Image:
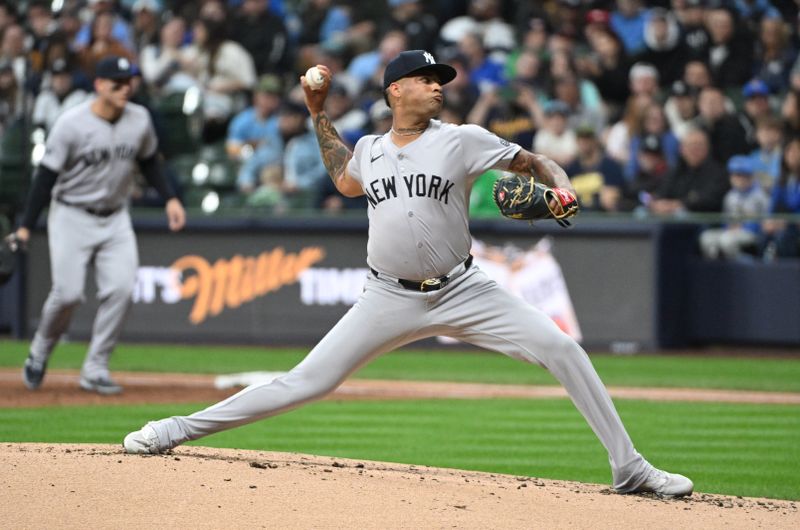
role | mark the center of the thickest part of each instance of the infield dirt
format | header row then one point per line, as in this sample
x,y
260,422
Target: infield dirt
x,y
97,486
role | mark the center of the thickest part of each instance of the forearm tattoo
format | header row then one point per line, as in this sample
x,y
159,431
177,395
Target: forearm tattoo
x,y
335,154
541,168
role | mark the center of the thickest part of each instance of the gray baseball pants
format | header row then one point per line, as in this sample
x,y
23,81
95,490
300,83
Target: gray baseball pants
x,y
472,308
78,239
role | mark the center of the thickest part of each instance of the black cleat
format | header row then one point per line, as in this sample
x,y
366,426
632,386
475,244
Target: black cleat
x,y
102,385
33,372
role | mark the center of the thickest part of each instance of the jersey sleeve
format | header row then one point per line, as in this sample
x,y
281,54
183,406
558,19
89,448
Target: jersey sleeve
x,y
483,150
58,145
149,141
353,168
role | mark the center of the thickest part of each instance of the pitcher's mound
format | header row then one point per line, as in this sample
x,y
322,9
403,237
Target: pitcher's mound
x,y
90,486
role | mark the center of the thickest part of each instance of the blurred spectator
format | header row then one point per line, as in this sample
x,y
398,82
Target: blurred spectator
x,y
774,56
263,35
627,21
597,179
161,63
596,24
651,174
14,101
742,205
60,95
730,55
582,97
654,122
535,37
40,25
304,173
223,69
368,67
781,238
754,11
350,121
663,46
681,108
697,184
512,112
215,11
484,18
410,18
12,50
566,15
146,25
334,24
380,117
725,131
8,15
120,30
644,80
691,17
484,72
755,103
607,66
554,139
766,159
253,135
618,136
790,113
102,44
697,75
70,22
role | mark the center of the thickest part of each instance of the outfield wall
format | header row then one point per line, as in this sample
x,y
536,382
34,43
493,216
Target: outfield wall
x,y
633,285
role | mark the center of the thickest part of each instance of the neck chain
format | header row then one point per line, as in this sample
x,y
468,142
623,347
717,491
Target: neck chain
x,y
409,132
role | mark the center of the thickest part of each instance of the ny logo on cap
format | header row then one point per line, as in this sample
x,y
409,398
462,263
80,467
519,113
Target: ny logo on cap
x,y
428,58
123,64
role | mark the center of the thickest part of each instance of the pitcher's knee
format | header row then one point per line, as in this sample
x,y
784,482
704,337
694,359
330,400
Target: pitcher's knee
x,y
309,387
65,296
116,292
563,351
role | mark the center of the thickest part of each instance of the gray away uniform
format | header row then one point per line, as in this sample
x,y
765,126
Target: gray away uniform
x,y
88,223
418,202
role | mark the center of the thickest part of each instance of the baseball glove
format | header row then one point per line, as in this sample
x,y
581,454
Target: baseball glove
x,y
522,198
8,261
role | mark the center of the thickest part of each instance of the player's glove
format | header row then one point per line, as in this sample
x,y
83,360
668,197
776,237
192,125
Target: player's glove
x,y
522,198
8,261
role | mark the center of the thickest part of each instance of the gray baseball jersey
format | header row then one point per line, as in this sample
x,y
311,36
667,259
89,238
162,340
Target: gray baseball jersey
x,y
88,222
418,204
419,195
96,159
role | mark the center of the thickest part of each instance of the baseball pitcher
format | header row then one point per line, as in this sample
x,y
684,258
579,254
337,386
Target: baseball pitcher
x,y
423,283
86,174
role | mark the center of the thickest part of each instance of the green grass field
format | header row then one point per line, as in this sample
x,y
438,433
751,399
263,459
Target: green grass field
x,y
749,450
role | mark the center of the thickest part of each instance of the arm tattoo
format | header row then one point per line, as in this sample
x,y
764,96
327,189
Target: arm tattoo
x,y
335,155
541,168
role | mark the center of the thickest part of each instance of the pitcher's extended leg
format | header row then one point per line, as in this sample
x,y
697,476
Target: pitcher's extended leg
x,y
494,319
379,322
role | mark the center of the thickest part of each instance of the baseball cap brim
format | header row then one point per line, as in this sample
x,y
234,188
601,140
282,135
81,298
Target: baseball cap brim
x,y
444,72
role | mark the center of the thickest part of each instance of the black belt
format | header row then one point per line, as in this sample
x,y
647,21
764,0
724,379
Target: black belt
x,y
431,284
99,212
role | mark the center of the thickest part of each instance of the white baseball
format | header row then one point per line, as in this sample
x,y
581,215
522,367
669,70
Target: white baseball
x,y
314,78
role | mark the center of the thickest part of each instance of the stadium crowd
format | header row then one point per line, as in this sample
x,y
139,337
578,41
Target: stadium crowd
x,y
662,108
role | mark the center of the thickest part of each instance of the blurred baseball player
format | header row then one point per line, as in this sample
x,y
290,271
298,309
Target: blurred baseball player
x,y
417,179
87,170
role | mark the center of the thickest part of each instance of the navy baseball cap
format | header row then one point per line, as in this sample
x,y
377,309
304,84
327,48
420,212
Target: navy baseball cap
x,y
651,143
741,165
412,61
114,68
